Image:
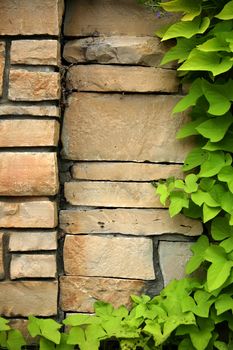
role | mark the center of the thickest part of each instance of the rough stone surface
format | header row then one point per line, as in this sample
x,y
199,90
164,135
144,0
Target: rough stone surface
x,y
114,257
111,194
123,127
110,17
28,133
28,213
1,257
28,174
173,257
144,222
80,293
37,266
124,171
47,111
35,52
45,17
33,86
32,241
2,64
132,50
28,298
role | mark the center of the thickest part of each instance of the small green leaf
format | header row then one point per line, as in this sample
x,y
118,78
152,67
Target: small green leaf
x,y
198,249
4,324
163,192
49,330
15,340
178,201
224,303
191,98
227,12
191,183
210,212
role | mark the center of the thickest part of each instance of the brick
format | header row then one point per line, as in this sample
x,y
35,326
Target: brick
x,y
123,127
2,274
20,110
112,194
36,266
28,213
26,298
80,293
35,52
173,257
108,17
32,241
26,85
138,222
28,174
81,257
28,133
2,65
124,171
45,17
131,50
127,79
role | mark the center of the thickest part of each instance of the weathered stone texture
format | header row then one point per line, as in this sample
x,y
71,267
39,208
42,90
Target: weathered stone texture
x,y
109,257
1,257
33,86
28,213
122,127
173,257
112,194
40,266
132,50
124,171
28,174
2,64
28,298
35,52
110,17
128,79
47,111
32,241
28,133
26,17
80,293
144,222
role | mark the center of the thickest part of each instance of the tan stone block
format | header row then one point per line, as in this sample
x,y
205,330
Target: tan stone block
x,y
28,298
26,85
2,64
112,194
45,17
32,241
36,266
127,79
123,127
125,171
35,52
1,257
111,17
80,293
28,174
173,257
28,133
28,213
138,222
106,257
34,110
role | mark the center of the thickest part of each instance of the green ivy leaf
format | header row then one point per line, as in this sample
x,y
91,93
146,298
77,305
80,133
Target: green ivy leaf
x,y
190,8
46,344
180,52
226,175
199,248
212,165
220,228
219,103
206,184
195,158
191,98
189,129
224,303
15,340
225,145
214,44
4,324
210,212
78,319
215,128
227,12
191,183
49,330
178,201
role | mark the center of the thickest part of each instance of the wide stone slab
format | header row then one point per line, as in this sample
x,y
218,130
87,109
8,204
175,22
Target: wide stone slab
x,y
123,127
34,110
139,222
105,257
78,294
28,174
28,213
121,79
26,298
2,64
32,241
28,133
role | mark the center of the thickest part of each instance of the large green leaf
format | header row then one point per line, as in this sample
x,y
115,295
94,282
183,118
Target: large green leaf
x,y
190,8
212,166
219,102
220,228
191,98
214,44
227,12
224,303
195,158
15,340
180,52
215,128
198,249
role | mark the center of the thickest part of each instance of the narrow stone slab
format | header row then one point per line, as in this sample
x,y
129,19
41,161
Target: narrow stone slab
x,y
123,127
35,52
112,194
2,64
83,258
28,133
121,171
26,298
28,213
32,241
121,79
2,274
34,110
80,293
28,174
25,85
139,222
